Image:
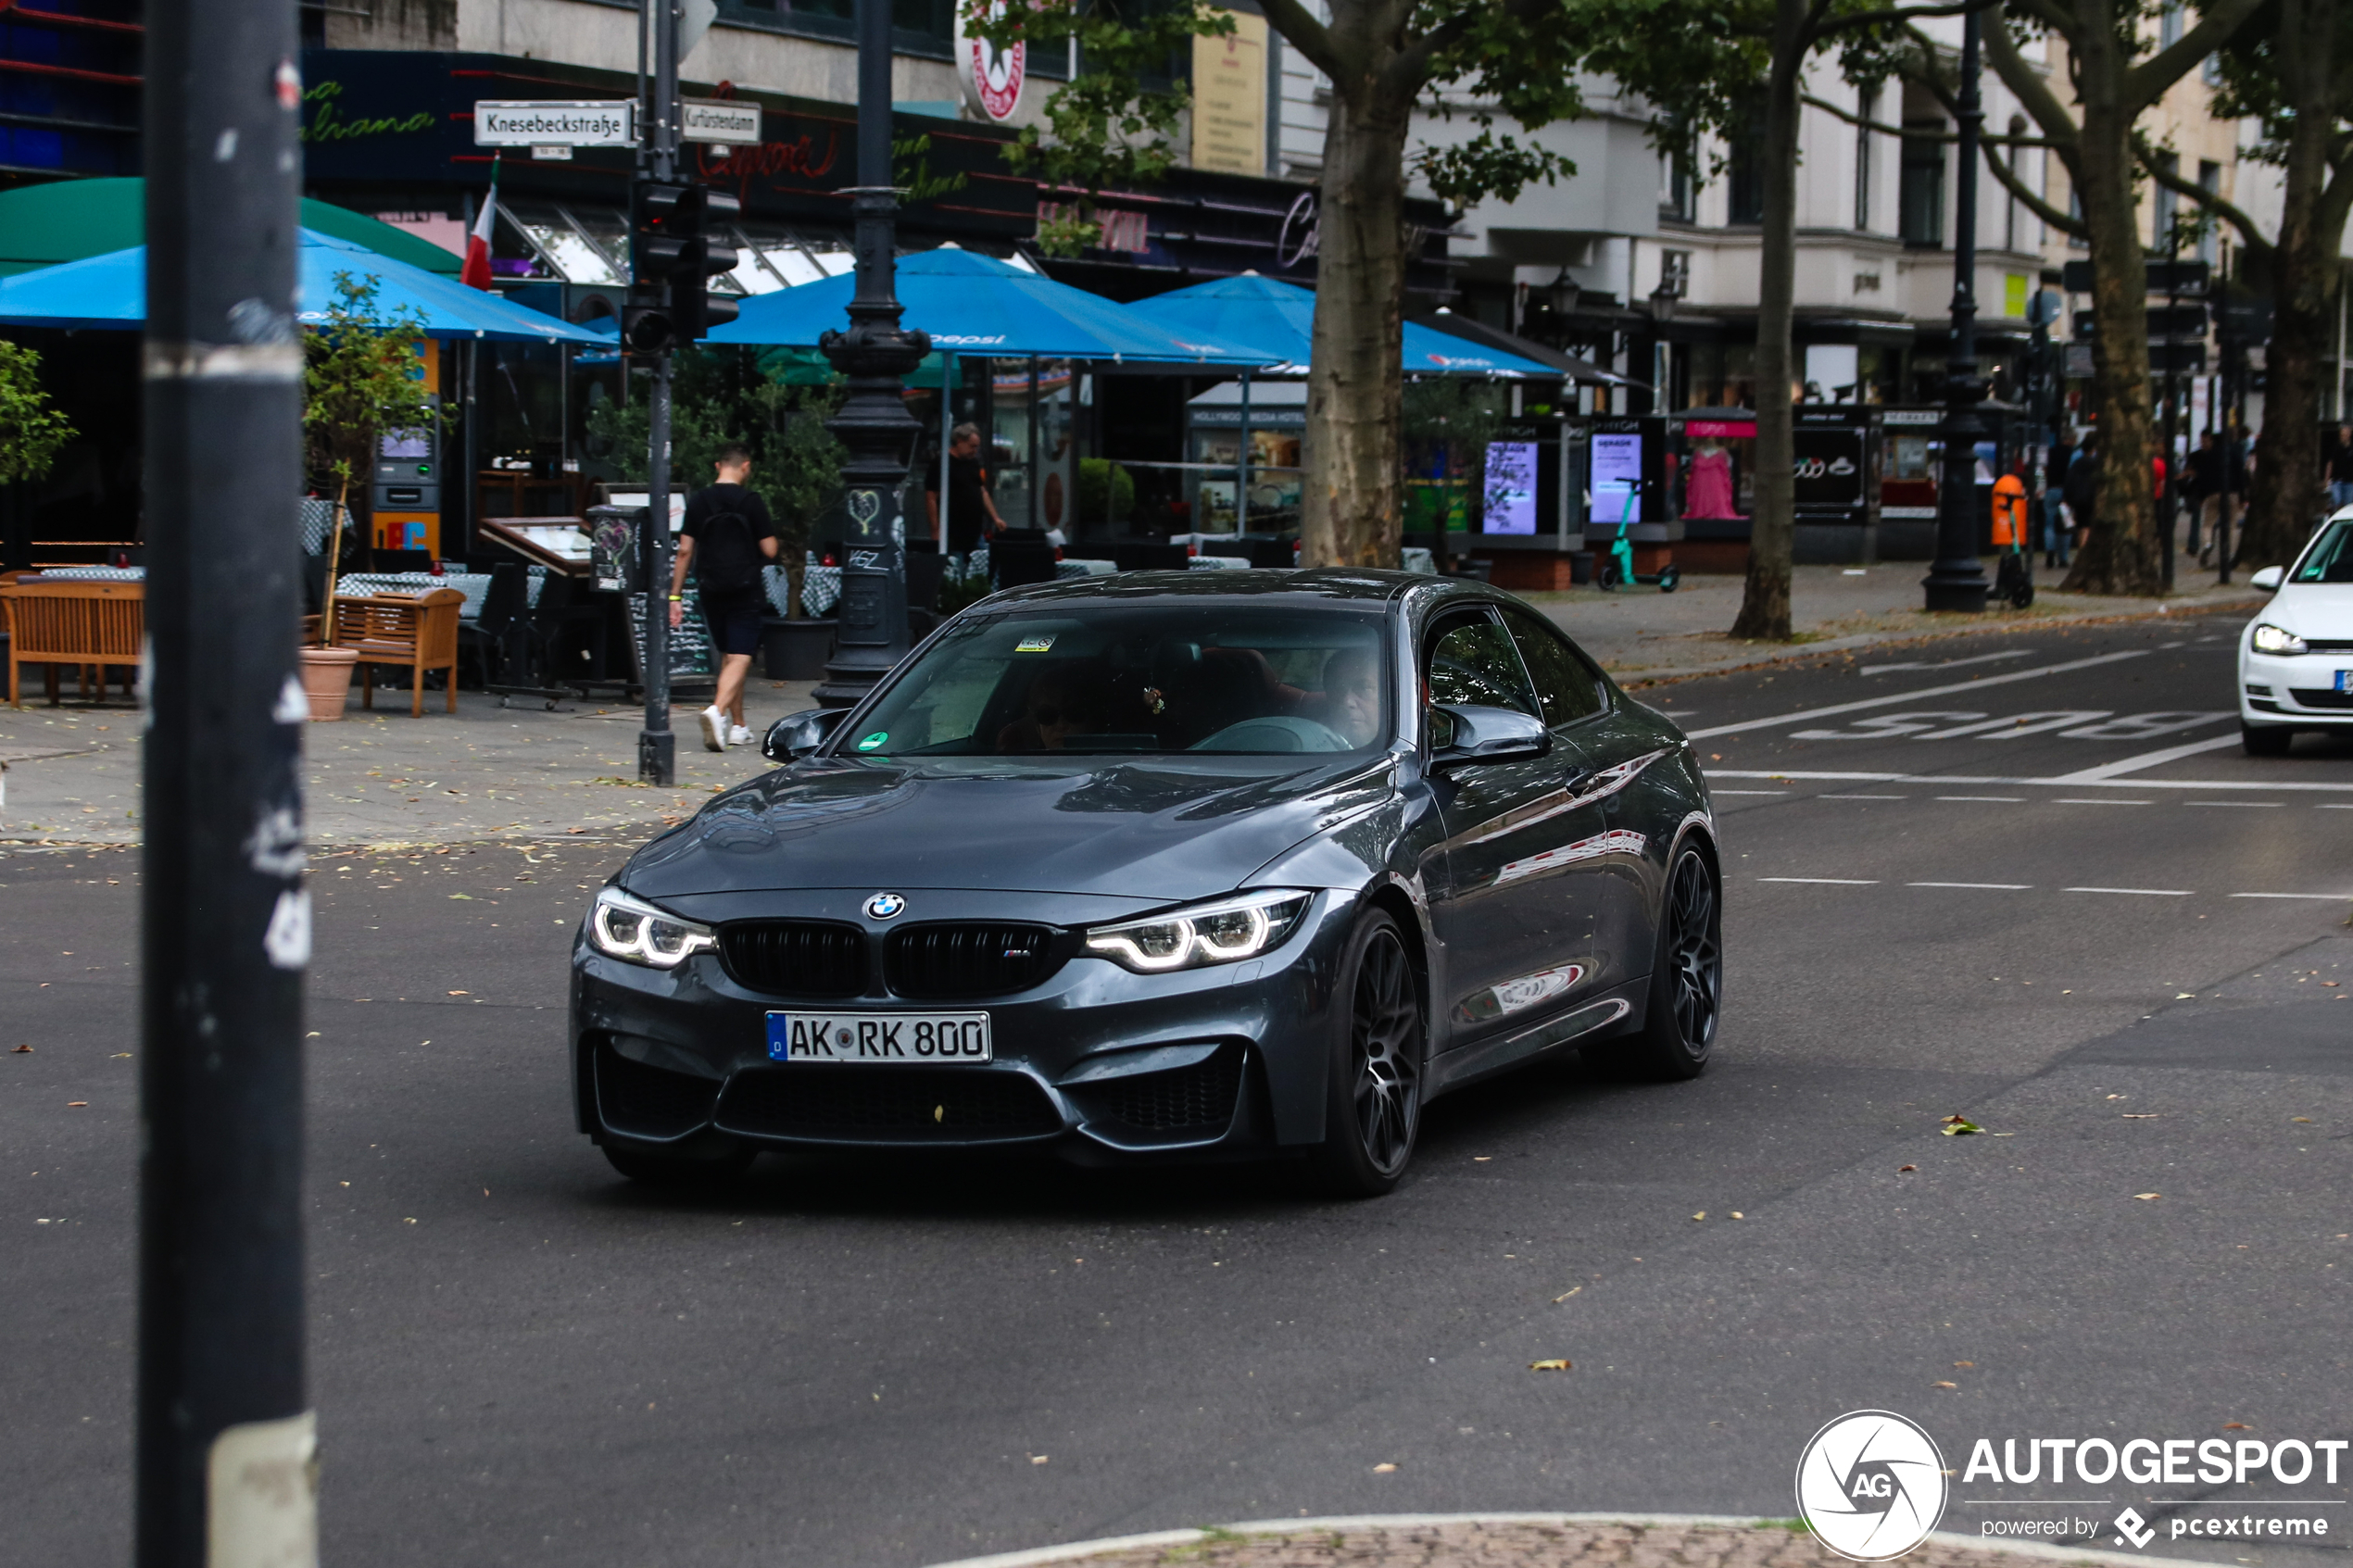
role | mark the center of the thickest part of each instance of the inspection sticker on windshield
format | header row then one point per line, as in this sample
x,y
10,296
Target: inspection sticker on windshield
x,y
1037,641
878,1036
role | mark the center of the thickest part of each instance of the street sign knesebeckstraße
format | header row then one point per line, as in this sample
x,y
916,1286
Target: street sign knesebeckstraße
x,y
583,124
718,121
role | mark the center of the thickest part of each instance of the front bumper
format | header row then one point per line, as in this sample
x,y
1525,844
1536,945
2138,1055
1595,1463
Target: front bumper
x,y
1096,1063
2298,689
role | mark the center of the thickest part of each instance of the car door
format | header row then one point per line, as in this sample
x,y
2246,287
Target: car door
x,y
1517,918
1613,850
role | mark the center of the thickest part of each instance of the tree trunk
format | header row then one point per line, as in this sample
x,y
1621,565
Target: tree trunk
x,y
1348,512
2122,555
1773,526
2287,481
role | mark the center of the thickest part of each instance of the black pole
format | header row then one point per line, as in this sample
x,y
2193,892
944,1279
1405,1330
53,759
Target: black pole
x,y
874,424
224,1446
656,744
1957,580
2168,503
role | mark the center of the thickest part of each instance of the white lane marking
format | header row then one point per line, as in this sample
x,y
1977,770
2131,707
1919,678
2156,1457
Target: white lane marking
x,y
2331,806
2021,724
2137,892
1946,664
1978,685
1824,881
1990,886
2004,800
2072,800
2264,805
1749,792
2326,898
2077,780
1858,796
2146,759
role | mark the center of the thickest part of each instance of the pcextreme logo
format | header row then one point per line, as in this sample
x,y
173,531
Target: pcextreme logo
x,y
1871,1485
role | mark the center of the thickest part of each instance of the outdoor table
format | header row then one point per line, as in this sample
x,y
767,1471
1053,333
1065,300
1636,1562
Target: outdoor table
x,y
1067,570
472,584
1218,563
94,574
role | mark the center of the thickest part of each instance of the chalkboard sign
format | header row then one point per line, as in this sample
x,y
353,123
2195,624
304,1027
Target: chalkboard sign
x,y
693,661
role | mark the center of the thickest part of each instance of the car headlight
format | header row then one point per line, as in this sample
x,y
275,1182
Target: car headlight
x,y
2276,639
1222,931
636,931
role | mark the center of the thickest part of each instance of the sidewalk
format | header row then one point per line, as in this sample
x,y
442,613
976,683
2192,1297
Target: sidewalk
x,y
1642,634
1520,1542
388,781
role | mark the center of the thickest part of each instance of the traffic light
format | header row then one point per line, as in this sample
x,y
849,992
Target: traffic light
x,y
676,242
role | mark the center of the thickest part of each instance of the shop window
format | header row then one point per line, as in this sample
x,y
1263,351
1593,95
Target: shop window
x,y
1866,110
2210,178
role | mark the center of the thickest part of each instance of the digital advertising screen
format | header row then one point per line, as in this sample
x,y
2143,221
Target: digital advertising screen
x,y
1511,488
1616,479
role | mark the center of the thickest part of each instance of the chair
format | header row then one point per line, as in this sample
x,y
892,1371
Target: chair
x,y
416,633
390,561
543,632
90,626
1150,557
505,604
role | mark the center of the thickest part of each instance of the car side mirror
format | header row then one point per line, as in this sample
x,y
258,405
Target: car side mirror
x,y
2269,579
797,735
1463,734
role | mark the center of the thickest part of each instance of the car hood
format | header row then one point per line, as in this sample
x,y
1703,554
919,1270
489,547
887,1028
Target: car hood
x,y
1157,830
2312,609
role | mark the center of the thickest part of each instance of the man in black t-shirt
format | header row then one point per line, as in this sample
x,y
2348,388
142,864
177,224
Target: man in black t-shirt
x,y
969,503
727,539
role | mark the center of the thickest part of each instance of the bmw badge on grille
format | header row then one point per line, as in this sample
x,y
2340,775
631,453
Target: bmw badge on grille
x,y
885,906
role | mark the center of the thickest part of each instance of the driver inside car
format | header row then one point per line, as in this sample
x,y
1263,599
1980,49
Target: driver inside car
x,y
1350,702
1062,702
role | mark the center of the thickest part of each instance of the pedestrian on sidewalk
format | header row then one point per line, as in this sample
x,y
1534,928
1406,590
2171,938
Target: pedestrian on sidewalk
x,y
2082,488
2201,475
2340,470
2056,541
972,512
727,539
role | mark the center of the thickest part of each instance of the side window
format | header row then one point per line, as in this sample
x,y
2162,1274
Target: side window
x,y
1567,689
1471,661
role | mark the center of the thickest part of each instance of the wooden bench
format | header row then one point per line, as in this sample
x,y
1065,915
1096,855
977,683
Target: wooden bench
x,y
415,632
88,626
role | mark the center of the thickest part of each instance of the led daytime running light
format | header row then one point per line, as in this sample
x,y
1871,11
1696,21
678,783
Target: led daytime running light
x,y
636,931
1224,931
2276,639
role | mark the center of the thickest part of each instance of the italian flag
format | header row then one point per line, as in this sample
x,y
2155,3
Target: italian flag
x,y
476,272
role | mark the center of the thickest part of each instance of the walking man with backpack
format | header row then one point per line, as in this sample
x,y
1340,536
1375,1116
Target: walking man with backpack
x,y
726,540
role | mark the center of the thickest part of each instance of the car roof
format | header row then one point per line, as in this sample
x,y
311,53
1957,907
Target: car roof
x,y
1344,584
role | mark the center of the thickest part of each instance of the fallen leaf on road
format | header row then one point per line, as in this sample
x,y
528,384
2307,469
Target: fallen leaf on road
x,y
2185,996
467,897
1943,1385
2142,1115
72,1103
1384,1470
1901,1168
27,1050
2236,1426
1037,1459
1481,1159
1701,1216
461,992
1553,1365
1738,1215
1965,1363
2292,1117
1956,1126
407,1222
1572,1290
2147,1197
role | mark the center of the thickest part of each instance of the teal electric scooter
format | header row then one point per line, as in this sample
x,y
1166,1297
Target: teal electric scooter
x,y
1618,565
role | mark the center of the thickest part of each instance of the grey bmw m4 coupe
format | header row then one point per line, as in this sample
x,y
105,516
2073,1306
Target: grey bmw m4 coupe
x,y
1159,866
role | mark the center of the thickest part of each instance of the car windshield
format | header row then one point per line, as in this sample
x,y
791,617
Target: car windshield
x,y
1091,679
2329,559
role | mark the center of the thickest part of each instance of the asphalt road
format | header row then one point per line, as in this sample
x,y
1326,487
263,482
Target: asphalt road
x,y
2134,978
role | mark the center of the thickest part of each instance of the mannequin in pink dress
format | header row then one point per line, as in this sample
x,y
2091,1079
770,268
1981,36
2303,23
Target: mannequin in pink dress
x,y
1708,490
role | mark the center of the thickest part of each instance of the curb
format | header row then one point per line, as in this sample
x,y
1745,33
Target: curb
x,y
1041,1557
1765,654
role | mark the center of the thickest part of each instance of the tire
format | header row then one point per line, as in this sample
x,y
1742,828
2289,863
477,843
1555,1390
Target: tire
x,y
1687,975
2265,740
1373,1103
682,1172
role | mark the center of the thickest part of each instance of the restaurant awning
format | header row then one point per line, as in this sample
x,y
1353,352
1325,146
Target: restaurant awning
x,y
110,293
1278,320
1566,365
71,220
978,307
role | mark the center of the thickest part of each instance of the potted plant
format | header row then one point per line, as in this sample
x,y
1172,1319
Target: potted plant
x,y
358,381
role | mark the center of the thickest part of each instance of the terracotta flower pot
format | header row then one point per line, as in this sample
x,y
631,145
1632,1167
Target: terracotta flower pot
x,y
326,681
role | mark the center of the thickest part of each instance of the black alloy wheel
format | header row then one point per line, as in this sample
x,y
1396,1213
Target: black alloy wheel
x,y
1687,978
1374,1110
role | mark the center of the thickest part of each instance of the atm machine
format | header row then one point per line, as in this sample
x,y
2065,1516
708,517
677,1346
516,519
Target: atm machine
x,y
406,496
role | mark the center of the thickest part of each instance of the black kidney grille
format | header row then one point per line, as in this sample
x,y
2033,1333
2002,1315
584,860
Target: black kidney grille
x,y
650,1101
795,958
1199,1097
979,959
851,1104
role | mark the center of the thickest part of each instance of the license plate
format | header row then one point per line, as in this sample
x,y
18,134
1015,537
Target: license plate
x,y
2344,680
878,1036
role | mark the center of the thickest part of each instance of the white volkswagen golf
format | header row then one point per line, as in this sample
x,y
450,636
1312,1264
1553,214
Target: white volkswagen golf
x,y
2296,658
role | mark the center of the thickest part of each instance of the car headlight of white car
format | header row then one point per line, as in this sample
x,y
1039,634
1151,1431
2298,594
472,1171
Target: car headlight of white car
x,y
2269,638
636,931
1221,931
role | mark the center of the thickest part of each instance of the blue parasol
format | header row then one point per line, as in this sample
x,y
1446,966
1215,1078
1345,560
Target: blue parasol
x,y
1279,320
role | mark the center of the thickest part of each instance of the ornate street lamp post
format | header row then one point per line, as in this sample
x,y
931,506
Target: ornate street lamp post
x,y
874,424
1955,580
